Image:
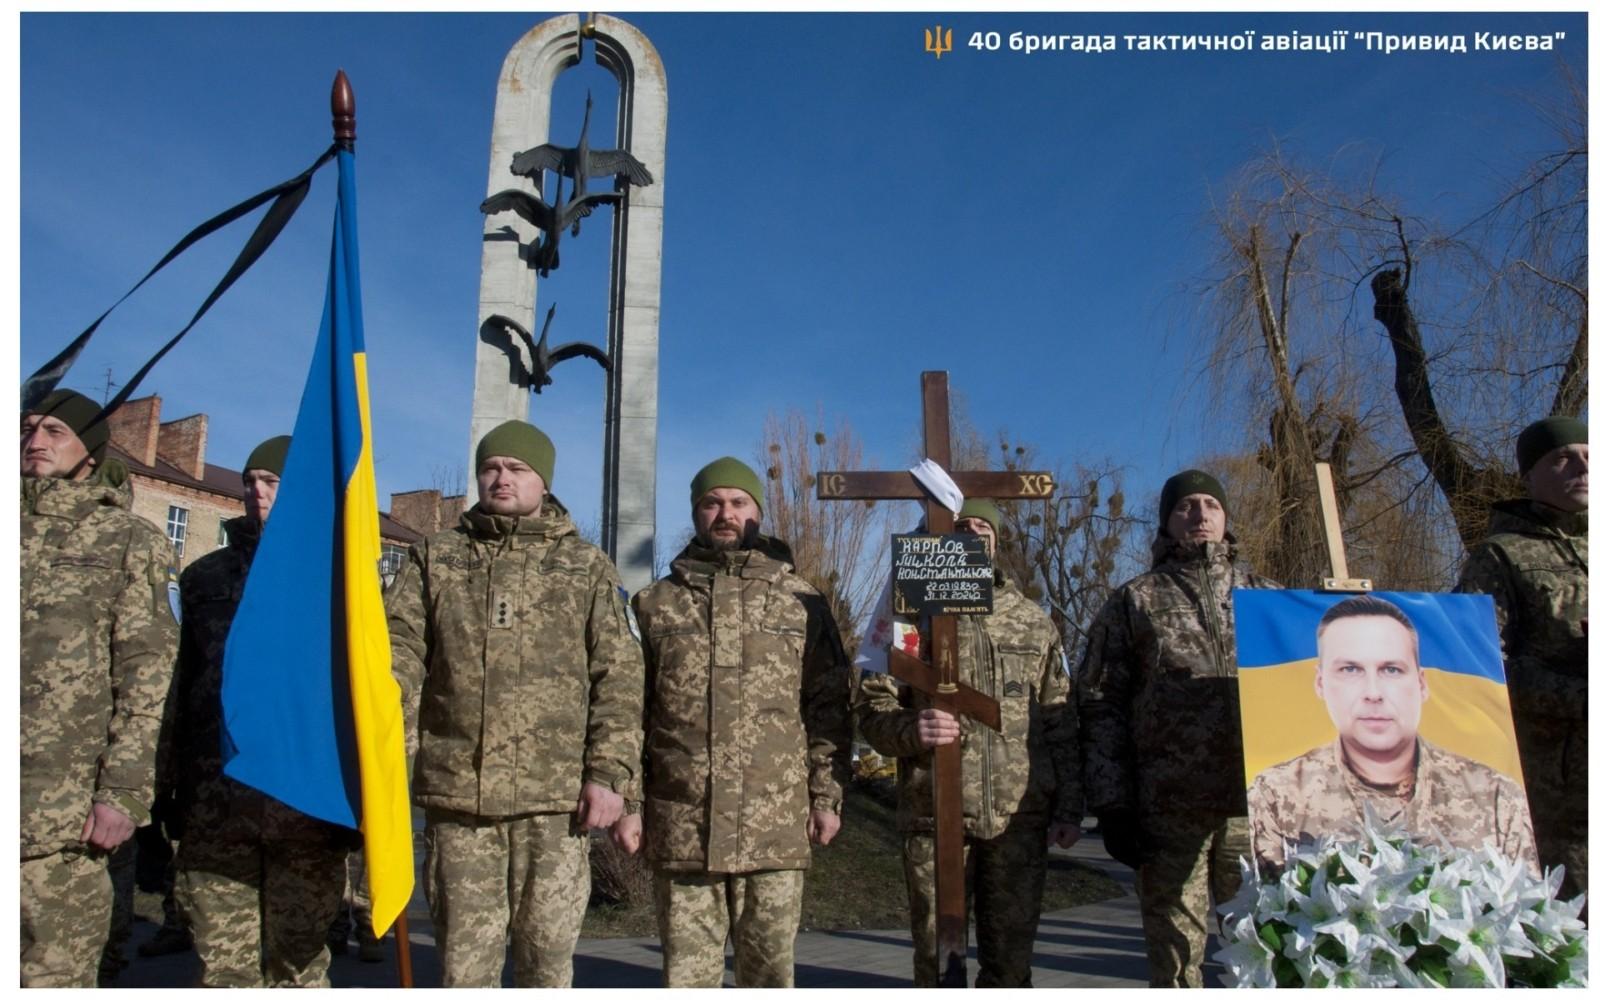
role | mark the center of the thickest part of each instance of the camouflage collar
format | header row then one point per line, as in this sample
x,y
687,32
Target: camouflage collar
x,y
1168,551
1525,515
1406,789
552,522
73,499
767,559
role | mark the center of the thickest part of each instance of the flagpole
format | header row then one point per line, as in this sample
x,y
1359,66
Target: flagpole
x,y
343,103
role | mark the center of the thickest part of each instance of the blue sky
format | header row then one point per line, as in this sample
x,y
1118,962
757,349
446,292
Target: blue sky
x,y
843,210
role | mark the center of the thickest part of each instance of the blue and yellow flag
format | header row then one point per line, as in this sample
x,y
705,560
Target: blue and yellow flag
x,y
1467,711
311,713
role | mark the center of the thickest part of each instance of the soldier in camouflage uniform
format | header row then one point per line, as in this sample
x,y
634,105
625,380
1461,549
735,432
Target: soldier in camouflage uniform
x,y
747,740
514,633
1370,677
1535,564
1158,700
257,881
1020,789
97,641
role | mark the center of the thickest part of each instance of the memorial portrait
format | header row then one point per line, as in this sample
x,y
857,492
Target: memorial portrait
x,y
1388,705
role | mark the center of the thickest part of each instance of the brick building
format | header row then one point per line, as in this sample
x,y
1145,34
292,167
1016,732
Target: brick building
x,y
175,489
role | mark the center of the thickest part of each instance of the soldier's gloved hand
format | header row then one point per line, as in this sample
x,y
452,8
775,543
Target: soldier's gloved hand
x,y
628,833
936,728
1119,830
598,807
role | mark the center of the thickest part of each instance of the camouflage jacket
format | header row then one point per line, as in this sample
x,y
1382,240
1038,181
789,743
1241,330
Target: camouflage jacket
x,y
1535,565
1451,801
97,645
510,635
215,807
1029,767
747,724
1158,692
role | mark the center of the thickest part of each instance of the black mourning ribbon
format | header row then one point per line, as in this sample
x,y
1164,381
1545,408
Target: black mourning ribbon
x,y
285,198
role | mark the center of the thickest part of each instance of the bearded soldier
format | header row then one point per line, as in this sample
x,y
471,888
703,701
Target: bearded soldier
x,y
514,634
747,740
1020,785
1535,564
1158,696
97,640
257,881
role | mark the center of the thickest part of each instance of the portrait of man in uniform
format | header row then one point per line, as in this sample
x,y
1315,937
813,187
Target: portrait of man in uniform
x,y
1370,682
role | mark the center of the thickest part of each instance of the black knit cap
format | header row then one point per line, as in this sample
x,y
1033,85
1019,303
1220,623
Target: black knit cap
x,y
78,411
1542,437
1188,482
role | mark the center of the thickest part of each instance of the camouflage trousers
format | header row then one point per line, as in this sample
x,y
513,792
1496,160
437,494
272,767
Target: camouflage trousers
x,y
259,910
355,907
698,912
1005,887
484,876
120,867
1558,800
1191,865
66,914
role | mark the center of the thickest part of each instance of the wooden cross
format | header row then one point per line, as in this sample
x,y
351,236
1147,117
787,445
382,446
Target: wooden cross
x,y
1340,581
941,682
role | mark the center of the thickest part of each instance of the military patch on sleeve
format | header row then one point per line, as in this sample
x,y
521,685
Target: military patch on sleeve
x,y
174,601
1014,689
627,612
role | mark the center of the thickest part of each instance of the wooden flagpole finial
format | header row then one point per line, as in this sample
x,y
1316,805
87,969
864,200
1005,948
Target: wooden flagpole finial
x,y
1334,534
343,102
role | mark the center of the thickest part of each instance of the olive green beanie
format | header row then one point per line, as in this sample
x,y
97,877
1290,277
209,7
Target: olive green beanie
x,y
727,471
520,440
269,455
980,508
78,412
1542,437
1185,483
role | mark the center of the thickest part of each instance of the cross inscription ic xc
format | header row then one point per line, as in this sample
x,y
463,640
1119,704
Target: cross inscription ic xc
x,y
941,681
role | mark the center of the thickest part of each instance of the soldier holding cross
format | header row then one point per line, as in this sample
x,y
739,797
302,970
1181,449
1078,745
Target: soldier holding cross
x,y
940,681
1019,785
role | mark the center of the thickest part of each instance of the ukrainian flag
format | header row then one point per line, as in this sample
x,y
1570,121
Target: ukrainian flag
x,y
1467,711
311,712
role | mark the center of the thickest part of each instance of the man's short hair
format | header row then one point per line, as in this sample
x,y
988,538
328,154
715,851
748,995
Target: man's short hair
x,y
1368,606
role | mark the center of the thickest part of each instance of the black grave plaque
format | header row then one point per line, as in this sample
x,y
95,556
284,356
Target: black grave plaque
x,y
942,575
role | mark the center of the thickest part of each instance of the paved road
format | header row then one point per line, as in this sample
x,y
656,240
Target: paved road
x,y
1095,945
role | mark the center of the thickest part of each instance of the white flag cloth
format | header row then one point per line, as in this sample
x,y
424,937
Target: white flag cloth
x,y
938,482
883,629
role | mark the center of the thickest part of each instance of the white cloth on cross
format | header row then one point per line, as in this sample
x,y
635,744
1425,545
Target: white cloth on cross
x,y
938,482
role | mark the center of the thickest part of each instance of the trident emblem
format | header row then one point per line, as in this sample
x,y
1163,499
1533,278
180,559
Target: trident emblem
x,y
932,42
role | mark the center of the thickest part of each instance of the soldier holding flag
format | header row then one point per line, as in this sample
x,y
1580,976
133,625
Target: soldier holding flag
x,y
258,881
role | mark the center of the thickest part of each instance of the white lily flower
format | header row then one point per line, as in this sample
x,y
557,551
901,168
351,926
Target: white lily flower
x,y
1403,913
